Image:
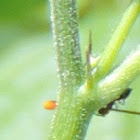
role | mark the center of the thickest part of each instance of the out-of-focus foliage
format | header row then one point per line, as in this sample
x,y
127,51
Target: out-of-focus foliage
x,y
29,15
28,68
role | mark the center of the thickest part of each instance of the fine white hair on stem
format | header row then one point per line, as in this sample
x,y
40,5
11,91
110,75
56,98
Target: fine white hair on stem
x,y
122,76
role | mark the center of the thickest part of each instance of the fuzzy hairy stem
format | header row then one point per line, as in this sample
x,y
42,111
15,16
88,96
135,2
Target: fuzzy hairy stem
x,y
120,79
71,72
65,31
78,103
72,121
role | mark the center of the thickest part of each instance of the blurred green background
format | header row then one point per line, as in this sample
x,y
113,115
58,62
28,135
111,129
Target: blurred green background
x,y
28,68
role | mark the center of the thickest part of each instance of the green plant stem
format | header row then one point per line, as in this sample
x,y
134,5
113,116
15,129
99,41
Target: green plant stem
x,y
67,124
65,31
77,106
72,120
117,39
120,79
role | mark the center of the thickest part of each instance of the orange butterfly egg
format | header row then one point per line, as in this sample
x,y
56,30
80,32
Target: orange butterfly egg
x,y
50,105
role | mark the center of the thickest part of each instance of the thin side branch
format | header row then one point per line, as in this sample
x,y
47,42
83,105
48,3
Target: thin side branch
x,y
120,79
88,56
117,39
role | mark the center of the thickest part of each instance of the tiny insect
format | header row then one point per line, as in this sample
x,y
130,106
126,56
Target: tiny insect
x,y
105,110
50,105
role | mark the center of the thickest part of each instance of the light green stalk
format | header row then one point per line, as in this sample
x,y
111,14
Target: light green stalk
x,y
66,38
120,79
117,39
79,98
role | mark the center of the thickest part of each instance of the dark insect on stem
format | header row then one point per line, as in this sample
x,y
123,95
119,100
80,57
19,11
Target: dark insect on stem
x,y
125,94
105,110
